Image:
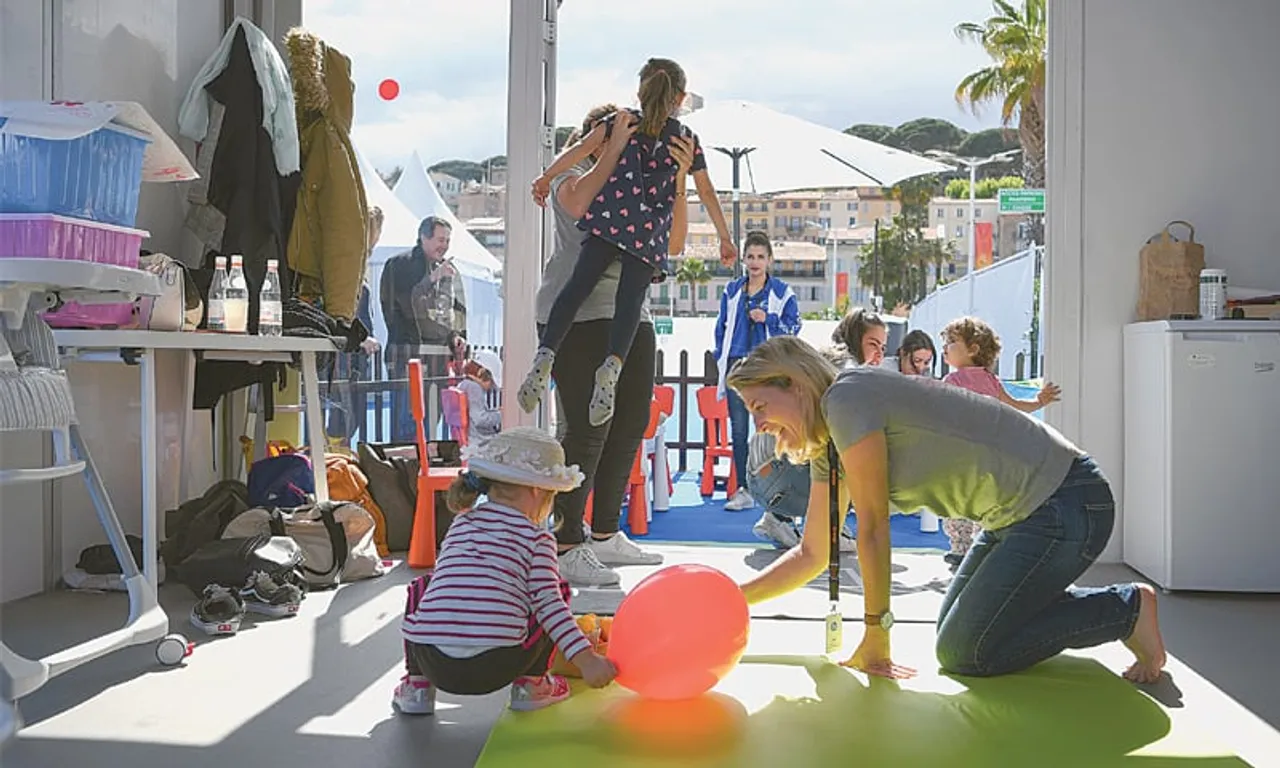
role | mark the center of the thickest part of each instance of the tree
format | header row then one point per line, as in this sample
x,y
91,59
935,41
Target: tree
x,y
877,133
1014,38
991,141
693,272
562,136
390,178
927,133
905,260
958,189
464,170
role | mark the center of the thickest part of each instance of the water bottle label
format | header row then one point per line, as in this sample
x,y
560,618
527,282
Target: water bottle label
x,y
217,316
269,314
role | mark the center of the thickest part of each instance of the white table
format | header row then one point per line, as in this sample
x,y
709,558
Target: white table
x,y
141,346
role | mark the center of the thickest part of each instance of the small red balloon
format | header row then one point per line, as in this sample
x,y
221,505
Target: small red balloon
x,y
388,89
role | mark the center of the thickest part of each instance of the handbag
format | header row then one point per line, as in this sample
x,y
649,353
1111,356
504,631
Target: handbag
x,y
179,307
336,539
1169,275
230,562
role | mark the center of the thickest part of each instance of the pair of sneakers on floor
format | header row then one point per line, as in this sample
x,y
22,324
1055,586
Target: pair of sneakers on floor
x,y
221,610
417,696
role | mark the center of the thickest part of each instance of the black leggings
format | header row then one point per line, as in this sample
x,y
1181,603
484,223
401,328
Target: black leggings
x,y
483,673
604,453
633,289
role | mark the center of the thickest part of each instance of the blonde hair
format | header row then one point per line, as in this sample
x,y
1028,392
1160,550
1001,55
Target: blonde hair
x,y
973,332
786,362
462,494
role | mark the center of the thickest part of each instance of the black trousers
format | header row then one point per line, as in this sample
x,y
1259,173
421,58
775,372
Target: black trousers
x,y
604,453
629,298
484,673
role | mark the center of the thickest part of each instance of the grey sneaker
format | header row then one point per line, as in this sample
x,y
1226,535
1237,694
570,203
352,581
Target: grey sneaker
x,y
601,408
739,501
619,550
536,383
581,568
781,533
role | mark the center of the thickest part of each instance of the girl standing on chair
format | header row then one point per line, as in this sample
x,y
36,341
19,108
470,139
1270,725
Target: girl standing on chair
x,y
629,221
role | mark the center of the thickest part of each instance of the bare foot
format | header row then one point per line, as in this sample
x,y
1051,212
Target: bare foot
x,y
1145,642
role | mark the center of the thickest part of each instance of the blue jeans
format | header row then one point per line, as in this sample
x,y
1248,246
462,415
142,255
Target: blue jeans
x,y
1011,603
739,431
782,488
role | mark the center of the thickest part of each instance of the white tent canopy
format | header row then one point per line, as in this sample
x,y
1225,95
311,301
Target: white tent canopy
x,y
781,153
419,194
400,233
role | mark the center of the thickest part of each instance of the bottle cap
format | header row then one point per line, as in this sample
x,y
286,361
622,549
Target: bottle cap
x,y
219,261
236,260
272,264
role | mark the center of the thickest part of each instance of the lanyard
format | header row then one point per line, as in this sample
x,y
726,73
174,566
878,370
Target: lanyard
x,y
835,620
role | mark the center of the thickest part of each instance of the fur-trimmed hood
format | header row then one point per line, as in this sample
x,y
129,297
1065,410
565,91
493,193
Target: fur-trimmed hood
x,y
322,83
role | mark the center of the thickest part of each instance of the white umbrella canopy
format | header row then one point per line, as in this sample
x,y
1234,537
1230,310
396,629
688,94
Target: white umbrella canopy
x,y
780,153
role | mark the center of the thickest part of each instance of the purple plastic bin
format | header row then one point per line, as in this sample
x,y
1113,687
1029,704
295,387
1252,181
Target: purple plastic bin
x,y
94,316
50,236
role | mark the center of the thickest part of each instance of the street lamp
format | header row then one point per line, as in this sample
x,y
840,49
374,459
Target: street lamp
x,y
972,163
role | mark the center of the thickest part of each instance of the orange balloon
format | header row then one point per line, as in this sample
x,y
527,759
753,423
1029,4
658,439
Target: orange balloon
x,y
679,632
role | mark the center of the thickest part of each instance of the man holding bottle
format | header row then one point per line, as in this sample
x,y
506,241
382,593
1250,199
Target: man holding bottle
x,y
425,308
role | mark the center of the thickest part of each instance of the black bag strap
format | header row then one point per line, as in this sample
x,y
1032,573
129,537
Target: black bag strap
x,y
837,519
337,542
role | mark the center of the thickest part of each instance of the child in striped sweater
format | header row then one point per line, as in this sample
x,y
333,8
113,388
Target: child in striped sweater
x,y
495,609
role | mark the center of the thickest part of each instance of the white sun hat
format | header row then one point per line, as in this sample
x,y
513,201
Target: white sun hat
x,y
490,361
524,456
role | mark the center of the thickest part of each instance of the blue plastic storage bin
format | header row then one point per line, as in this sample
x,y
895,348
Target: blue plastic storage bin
x,y
97,176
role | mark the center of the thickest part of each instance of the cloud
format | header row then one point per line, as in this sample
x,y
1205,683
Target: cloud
x,y
832,62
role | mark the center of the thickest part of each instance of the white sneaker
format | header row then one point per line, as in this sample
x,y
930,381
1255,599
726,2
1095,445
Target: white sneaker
x,y
741,500
619,550
581,568
530,693
414,696
780,533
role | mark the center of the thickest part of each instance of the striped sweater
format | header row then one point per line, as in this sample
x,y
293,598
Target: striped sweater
x,y
496,579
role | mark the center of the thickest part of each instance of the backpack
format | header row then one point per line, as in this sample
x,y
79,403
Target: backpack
x,y
348,483
281,481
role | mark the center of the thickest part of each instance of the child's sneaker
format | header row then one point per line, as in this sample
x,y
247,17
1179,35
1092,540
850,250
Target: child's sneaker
x,y
530,693
414,696
264,595
536,383
600,410
219,612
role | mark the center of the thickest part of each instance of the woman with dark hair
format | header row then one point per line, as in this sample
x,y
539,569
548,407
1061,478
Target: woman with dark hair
x,y
753,308
606,452
916,354
862,335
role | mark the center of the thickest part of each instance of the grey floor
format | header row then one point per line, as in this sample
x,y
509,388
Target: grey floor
x,y
313,690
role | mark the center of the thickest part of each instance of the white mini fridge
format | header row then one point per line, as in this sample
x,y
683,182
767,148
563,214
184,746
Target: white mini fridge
x,y
1202,454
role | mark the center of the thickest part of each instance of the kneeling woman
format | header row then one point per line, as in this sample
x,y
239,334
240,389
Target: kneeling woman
x,y
1045,507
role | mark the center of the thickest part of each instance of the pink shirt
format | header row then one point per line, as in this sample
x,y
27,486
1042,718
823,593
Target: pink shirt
x,y
976,379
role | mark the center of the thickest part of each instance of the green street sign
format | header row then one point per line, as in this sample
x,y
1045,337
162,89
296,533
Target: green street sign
x,y
1014,200
663,326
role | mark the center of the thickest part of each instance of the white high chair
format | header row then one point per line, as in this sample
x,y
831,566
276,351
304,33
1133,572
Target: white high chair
x,y
36,396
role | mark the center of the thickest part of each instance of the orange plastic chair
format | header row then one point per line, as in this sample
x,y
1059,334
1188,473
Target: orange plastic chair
x,y
715,416
454,405
637,489
422,542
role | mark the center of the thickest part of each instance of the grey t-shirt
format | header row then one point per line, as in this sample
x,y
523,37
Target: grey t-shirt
x,y
600,304
951,451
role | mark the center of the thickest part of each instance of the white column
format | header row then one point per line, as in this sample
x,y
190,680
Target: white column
x,y
529,105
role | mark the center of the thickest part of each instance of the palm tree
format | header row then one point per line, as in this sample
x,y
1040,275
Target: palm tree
x,y
1015,39
695,273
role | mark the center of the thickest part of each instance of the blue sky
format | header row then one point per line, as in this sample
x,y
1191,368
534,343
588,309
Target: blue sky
x,y
832,62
